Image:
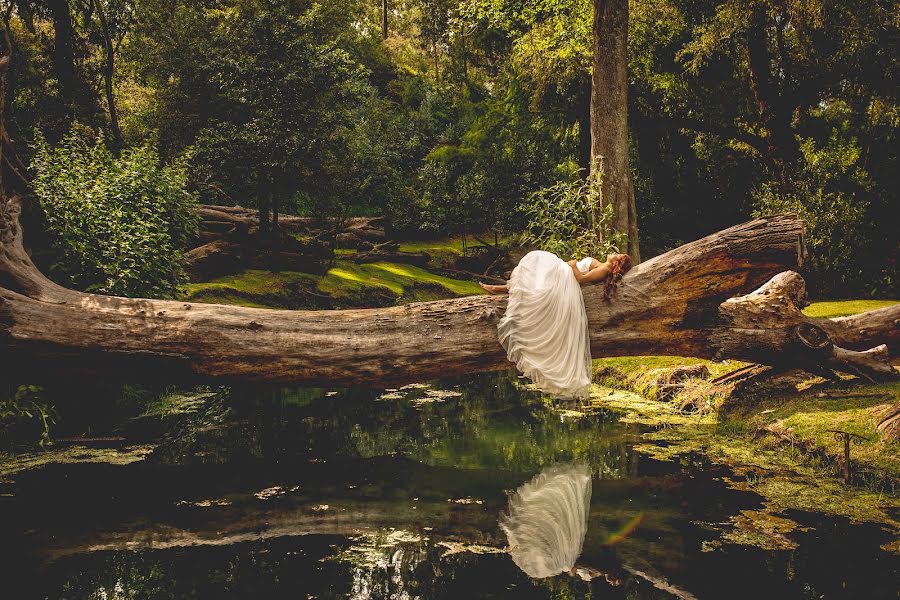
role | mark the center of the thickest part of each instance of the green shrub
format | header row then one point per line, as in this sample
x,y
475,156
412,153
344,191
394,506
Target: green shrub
x,y
560,220
118,225
25,416
839,203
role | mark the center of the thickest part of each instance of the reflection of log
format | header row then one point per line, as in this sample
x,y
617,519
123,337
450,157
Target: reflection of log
x,y
672,304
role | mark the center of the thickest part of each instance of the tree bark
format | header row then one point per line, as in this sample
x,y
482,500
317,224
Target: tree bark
x,y
108,73
264,200
583,118
774,114
609,117
676,303
384,19
63,50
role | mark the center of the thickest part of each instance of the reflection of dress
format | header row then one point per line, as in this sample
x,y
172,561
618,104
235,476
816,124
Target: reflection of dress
x,y
547,520
544,330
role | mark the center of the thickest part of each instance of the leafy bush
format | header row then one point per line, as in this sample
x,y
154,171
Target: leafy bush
x,y
24,416
560,220
835,197
119,225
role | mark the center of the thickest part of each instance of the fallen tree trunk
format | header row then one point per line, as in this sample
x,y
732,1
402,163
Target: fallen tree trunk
x,y
245,219
672,304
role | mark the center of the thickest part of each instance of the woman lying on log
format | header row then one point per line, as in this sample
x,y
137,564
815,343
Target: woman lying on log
x,y
545,328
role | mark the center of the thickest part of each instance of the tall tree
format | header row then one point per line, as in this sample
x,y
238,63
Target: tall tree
x,y
108,72
773,105
609,117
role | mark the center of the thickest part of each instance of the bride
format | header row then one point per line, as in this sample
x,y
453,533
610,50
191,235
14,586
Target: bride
x,y
544,330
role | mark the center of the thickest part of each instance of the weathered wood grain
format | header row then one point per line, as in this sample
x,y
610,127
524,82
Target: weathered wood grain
x,y
672,304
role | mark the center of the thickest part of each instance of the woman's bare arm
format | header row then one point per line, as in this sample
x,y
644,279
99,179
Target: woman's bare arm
x,y
596,274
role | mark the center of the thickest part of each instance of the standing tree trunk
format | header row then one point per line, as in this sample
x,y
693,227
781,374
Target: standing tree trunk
x,y
63,50
384,19
108,72
264,200
278,191
774,112
609,117
437,64
583,117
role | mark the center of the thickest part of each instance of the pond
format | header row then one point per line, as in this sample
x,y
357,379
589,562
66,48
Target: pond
x,y
262,492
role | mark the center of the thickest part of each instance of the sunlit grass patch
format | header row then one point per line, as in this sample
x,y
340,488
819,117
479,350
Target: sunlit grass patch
x,y
347,284
416,274
634,366
251,281
404,282
843,308
451,245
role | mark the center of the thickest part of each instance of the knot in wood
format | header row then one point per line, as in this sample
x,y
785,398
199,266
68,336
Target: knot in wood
x,y
812,337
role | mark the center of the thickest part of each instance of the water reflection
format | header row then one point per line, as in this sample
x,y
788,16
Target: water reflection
x,y
547,520
290,492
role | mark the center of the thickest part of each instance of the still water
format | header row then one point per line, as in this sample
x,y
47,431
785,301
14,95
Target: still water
x,y
463,489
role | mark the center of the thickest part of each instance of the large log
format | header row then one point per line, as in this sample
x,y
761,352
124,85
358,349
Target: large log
x,y
246,219
672,304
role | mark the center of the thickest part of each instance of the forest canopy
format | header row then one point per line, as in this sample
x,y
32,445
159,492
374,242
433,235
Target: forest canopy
x,y
457,116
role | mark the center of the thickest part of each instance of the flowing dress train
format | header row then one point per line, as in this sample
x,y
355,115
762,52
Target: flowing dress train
x,y
544,330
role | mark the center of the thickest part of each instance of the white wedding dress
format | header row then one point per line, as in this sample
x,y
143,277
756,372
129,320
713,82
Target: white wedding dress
x,y
547,520
544,330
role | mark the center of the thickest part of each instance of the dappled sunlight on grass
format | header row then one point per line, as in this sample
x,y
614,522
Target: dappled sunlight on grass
x,y
347,284
414,274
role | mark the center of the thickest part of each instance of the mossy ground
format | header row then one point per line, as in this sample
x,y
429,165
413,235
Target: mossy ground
x,y
786,477
405,282
810,414
806,415
346,284
254,288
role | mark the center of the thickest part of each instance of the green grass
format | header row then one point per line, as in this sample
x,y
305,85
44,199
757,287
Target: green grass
x,y
451,245
633,366
843,308
252,288
404,281
347,284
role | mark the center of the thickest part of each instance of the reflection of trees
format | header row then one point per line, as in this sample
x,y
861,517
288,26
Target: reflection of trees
x,y
299,567
491,424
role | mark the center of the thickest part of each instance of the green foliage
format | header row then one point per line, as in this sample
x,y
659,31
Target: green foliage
x,y
119,225
469,106
566,219
834,195
24,416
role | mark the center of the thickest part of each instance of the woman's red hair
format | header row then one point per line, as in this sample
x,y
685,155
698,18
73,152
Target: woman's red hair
x,y
621,264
